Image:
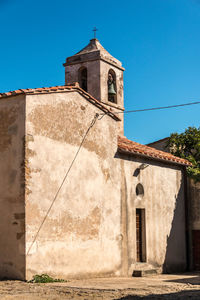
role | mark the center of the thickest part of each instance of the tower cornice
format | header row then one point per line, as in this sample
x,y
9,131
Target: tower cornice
x,y
72,60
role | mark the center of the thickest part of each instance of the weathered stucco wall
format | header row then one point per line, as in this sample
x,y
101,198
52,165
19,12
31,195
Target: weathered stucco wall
x,y
81,234
91,228
12,226
193,214
163,202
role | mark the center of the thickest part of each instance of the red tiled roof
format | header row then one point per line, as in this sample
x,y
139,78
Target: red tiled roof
x,y
60,89
130,147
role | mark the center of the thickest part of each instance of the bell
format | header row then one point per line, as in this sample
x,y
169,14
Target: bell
x,y
111,89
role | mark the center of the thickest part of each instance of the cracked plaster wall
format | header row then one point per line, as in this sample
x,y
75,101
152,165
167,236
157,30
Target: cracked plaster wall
x,y
164,206
81,235
90,230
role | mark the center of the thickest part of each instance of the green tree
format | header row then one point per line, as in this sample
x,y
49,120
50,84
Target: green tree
x,y
187,145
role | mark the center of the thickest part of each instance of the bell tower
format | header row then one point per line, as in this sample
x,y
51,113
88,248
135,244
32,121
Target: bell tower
x,y
99,74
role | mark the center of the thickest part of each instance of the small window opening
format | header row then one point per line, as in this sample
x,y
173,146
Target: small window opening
x,y
83,78
139,190
112,88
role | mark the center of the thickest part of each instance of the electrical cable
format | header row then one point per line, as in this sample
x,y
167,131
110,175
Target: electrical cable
x,y
65,177
152,108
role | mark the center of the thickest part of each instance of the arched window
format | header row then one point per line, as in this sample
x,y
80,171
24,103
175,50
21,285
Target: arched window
x,y
112,87
139,190
83,78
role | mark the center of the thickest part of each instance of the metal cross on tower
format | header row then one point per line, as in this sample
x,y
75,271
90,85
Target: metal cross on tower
x,y
95,30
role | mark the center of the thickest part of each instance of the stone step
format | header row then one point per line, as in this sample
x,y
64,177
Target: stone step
x,y
143,272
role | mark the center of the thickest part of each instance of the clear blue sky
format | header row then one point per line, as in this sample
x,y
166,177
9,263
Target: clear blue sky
x,y
158,42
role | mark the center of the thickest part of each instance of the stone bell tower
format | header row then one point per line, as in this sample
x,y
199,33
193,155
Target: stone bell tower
x,y
99,74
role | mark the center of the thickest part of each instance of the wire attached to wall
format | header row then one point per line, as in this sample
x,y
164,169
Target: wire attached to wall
x,y
65,177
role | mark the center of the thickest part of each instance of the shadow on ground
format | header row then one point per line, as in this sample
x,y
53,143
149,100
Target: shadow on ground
x,y
188,280
184,295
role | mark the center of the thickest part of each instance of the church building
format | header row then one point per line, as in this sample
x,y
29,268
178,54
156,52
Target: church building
x,y
77,198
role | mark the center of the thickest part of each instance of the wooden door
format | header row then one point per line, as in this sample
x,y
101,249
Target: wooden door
x,y
196,249
139,234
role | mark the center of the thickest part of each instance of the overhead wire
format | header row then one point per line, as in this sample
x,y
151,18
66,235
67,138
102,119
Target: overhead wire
x,y
152,108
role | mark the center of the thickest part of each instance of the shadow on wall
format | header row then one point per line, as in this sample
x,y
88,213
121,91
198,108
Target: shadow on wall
x,y
12,189
189,294
175,257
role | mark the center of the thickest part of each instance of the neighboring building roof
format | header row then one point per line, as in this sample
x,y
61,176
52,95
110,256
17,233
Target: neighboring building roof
x,y
158,141
161,145
61,89
130,147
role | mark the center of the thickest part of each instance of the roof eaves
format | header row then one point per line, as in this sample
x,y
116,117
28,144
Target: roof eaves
x,y
153,157
60,89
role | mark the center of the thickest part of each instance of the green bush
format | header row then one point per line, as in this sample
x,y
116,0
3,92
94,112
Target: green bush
x,y
44,278
187,145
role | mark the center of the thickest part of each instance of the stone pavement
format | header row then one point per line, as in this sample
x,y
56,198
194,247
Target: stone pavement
x,y
184,286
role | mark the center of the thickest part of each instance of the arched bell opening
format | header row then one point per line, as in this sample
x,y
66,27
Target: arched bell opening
x,y
112,87
83,78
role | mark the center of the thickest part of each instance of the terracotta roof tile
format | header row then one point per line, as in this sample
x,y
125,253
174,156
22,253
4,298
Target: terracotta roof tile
x,y
130,147
63,88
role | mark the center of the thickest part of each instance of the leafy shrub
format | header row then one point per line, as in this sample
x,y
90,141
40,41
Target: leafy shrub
x,y
44,278
187,145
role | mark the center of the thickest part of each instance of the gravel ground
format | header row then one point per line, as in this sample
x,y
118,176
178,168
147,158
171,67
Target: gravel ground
x,y
185,286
